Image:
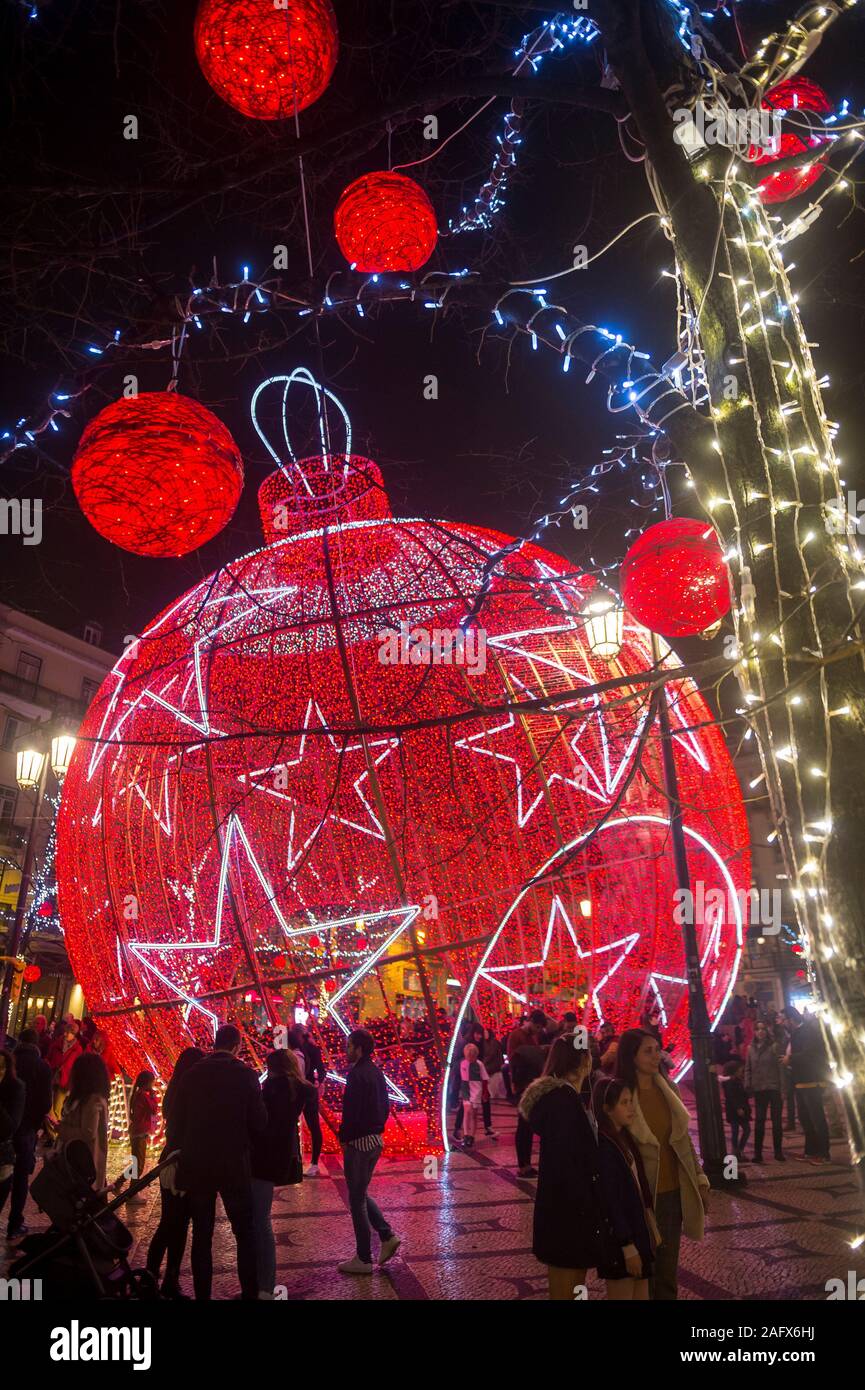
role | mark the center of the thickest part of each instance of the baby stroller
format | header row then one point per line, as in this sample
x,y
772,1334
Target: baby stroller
x,y
87,1245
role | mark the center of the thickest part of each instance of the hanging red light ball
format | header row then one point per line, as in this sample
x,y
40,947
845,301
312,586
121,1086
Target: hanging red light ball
x,y
157,474
32,973
279,962
47,908
267,60
675,579
794,94
385,222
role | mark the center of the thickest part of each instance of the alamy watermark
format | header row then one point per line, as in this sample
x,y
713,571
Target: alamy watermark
x,y
705,125
22,516
756,907
438,646
846,516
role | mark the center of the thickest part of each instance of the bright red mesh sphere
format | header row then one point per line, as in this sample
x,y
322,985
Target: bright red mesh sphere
x,y
157,474
794,94
266,60
243,834
385,222
675,579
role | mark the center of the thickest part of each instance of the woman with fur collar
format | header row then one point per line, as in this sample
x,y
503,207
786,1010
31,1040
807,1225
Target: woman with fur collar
x,y
677,1184
570,1229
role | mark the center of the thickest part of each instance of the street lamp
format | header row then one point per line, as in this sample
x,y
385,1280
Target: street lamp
x,y
31,765
604,627
62,748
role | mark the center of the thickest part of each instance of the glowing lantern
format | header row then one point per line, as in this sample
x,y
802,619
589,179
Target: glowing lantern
x,y
604,626
385,222
157,474
795,94
675,579
268,60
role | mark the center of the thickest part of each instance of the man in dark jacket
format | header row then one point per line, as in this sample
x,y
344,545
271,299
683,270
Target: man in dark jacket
x,y
36,1075
365,1109
219,1109
809,1064
316,1072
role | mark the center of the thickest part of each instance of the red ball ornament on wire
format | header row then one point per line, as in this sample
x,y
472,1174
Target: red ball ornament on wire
x,y
267,60
46,908
385,222
32,973
675,579
795,94
157,474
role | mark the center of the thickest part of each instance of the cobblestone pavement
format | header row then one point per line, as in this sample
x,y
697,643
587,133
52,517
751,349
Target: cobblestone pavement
x,y
467,1231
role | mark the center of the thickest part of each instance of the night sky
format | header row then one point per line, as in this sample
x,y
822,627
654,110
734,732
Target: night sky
x,y
505,436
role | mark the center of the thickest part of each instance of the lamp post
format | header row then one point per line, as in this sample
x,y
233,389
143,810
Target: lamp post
x,y
710,1124
31,772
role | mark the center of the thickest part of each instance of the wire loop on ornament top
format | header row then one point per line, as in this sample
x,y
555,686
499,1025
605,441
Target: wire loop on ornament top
x,y
322,395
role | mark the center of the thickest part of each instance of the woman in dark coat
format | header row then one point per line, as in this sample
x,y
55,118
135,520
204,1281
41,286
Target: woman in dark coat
x,y
627,1199
169,1238
276,1158
570,1229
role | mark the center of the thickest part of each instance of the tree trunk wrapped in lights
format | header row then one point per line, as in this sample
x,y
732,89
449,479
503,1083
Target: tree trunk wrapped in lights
x,y
769,479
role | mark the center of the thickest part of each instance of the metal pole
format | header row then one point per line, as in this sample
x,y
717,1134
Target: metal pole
x,y
710,1124
13,944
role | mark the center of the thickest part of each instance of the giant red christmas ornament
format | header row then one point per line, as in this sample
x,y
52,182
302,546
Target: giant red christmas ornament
x,y
385,222
266,770
675,579
157,474
267,59
801,98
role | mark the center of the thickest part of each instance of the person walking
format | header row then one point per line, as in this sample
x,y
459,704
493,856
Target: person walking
x,y
764,1080
276,1158
677,1184
736,1105
809,1064
627,1199
527,1064
570,1233
316,1072
169,1238
782,1033
12,1096
35,1073
85,1114
365,1110
143,1118
218,1112
474,1090
61,1057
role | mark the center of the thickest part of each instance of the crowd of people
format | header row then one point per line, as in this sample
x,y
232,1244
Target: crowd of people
x,y
227,1134
618,1180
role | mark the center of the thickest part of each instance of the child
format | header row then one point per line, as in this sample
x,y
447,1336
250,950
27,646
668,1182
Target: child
x,y
143,1114
736,1105
627,1266
474,1090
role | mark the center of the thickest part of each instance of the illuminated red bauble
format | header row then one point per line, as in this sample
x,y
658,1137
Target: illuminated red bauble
x,y
32,973
279,962
157,474
385,222
675,579
46,909
795,94
237,789
267,60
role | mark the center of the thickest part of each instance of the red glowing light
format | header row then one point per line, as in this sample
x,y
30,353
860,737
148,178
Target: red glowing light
x,y
675,579
266,60
32,973
225,748
157,474
47,908
794,95
385,222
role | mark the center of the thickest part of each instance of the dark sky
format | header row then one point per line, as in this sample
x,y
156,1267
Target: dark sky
x,y
502,440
